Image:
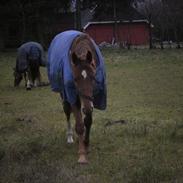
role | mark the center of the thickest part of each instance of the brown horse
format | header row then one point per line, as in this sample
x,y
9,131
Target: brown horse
x,y
83,64
73,62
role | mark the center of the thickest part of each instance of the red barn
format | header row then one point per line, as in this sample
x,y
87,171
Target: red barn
x,y
134,32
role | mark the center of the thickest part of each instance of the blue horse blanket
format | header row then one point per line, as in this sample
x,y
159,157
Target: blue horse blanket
x,y
29,51
60,73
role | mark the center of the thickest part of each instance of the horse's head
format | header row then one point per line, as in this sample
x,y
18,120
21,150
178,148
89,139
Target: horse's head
x,y
84,69
17,77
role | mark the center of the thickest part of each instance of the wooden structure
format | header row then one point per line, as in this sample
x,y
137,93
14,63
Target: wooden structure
x,y
127,32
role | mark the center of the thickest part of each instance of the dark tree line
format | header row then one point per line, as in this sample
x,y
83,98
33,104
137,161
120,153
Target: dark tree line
x,y
38,19
30,19
165,19
174,10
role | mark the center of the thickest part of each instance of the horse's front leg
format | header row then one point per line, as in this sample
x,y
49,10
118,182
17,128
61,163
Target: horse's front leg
x,y
80,132
29,80
67,110
88,123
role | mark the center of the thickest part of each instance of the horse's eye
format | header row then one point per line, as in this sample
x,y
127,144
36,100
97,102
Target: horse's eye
x,y
93,65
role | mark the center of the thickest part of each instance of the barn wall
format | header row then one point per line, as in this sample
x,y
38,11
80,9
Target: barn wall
x,y
135,34
128,33
100,33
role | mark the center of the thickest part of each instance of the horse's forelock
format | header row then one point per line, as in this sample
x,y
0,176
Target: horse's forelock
x,y
81,52
81,45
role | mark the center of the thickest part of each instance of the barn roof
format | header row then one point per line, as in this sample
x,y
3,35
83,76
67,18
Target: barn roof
x,y
123,15
112,22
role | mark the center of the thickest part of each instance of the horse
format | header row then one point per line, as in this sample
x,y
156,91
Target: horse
x,y
30,57
76,70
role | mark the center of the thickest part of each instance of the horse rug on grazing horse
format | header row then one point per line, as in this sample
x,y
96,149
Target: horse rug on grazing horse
x,y
29,51
60,72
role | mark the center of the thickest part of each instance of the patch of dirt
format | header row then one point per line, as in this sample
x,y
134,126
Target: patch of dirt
x,y
110,123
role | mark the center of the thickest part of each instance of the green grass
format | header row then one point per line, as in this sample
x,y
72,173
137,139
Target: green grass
x,y
145,88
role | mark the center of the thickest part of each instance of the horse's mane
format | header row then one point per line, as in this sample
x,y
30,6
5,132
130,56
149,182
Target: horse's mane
x,y
81,45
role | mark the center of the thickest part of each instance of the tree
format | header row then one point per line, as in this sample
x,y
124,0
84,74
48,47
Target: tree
x,y
77,7
31,17
151,10
175,14
36,20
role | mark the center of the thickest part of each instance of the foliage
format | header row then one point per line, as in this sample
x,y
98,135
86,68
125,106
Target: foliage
x,y
31,18
106,8
166,16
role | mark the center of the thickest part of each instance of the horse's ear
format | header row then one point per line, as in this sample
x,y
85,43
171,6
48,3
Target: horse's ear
x,y
89,57
75,59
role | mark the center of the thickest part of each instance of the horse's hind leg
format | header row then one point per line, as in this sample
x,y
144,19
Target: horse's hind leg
x,y
67,110
37,81
25,78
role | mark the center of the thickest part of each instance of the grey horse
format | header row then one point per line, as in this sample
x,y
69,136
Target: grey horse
x,y
30,57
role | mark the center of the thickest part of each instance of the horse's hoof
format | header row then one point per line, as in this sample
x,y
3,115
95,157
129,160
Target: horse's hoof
x,y
70,140
82,160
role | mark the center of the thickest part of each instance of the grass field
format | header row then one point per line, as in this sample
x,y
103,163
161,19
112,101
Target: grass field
x,y
145,88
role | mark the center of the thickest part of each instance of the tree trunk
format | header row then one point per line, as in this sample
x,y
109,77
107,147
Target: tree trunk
x,y
162,36
168,38
40,29
40,34
161,44
115,22
176,37
150,33
128,42
178,40
78,14
1,41
23,27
